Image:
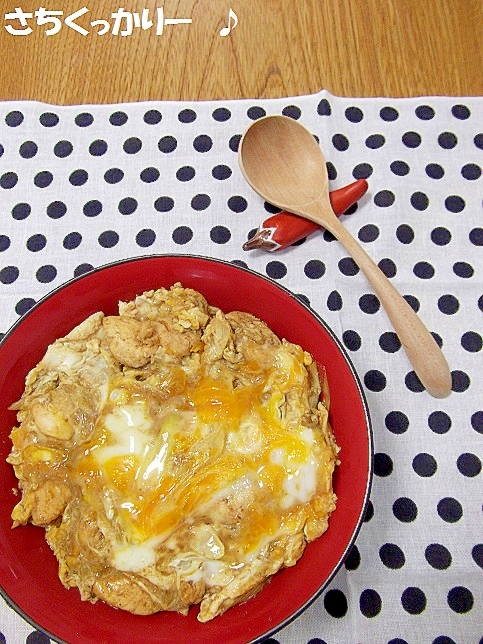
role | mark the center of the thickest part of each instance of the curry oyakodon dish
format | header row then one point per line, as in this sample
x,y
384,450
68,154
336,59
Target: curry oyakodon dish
x,y
174,454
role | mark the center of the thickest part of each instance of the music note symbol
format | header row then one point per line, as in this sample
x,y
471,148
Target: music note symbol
x,y
231,16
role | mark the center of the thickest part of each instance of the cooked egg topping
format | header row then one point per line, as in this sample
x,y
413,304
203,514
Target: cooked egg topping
x,y
175,455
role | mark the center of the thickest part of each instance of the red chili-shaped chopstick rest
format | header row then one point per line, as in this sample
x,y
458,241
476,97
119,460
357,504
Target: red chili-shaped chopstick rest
x,y
284,228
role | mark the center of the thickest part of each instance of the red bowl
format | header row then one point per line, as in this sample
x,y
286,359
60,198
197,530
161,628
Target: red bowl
x,y
28,569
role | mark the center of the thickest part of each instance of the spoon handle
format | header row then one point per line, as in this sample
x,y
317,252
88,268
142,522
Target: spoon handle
x,y
424,353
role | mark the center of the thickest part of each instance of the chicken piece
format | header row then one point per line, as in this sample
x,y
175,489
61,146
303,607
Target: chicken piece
x,y
43,505
216,337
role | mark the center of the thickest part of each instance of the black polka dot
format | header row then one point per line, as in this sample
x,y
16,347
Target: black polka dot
x,y
438,556
314,269
92,208
334,301
292,111
405,234
152,117
439,422
49,119
331,171
149,175
118,118
72,240
56,209
398,640
463,269
425,465
478,140
36,243
434,171
389,114
97,148
352,340
399,168
447,140
37,637
164,204
353,559
392,556
182,235
460,112
375,380
477,421
388,267
9,274
2,150
340,142
185,173
4,242
203,143
368,233
389,342
477,554
221,114
476,236
460,599
167,144
187,116
63,149
396,422
413,600
471,341
413,383
440,236
276,270
375,141
114,175
24,305
220,234
354,114
201,202
424,112
145,237
362,171
127,205
237,203
78,177
471,171
43,179
132,145
323,108
369,303
8,180
384,198
28,149
21,211
448,304
347,266
468,464
255,112
108,239
369,513
454,203
423,270
450,510
411,139
234,142
405,510
84,119
14,118
383,465
413,302
46,274
82,269
419,201
335,603
221,172
370,602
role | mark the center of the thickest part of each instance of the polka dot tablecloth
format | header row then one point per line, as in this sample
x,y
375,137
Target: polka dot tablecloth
x,y
84,186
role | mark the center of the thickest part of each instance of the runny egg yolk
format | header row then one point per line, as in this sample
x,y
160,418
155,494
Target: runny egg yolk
x,y
154,466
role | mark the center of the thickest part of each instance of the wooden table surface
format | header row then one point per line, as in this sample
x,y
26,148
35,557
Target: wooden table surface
x,y
278,48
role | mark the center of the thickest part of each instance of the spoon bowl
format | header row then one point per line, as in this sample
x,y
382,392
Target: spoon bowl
x,y
283,163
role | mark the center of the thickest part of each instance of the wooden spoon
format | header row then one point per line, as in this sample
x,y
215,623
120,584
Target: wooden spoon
x,y
283,163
